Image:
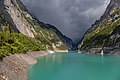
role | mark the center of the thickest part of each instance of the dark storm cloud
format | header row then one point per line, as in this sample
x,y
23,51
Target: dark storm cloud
x,y
71,17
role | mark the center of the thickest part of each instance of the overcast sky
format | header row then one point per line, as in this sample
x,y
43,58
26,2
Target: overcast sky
x,y
71,17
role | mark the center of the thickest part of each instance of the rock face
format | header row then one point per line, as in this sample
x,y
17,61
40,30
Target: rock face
x,y
13,14
21,18
67,41
105,32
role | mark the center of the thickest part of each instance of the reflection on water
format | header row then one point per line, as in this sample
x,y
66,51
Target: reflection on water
x,y
103,59
74,66
53,58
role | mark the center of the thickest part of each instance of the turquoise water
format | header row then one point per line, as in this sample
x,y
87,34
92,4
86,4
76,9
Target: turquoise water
x,y
74,66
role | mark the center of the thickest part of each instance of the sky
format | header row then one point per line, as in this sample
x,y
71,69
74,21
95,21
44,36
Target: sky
x,y
72,17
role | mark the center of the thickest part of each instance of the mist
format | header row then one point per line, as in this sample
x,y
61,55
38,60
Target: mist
x,y
71,17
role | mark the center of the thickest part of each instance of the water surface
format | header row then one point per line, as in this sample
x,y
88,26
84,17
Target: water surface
x,y
74,66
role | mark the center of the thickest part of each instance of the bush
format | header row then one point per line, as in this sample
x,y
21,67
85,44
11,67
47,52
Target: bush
x,y
12,42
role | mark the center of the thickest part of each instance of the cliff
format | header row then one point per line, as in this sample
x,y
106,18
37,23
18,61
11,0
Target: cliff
x,y
21,32
105,32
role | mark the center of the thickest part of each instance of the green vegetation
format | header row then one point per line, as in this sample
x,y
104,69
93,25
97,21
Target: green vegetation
x,y
114,39
99,34
62,47
11,42
48,37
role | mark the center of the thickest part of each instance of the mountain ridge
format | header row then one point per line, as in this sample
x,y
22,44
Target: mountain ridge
x,y
16,22
97,36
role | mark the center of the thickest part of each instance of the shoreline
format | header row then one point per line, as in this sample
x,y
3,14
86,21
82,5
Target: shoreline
x,y
14,66
106,51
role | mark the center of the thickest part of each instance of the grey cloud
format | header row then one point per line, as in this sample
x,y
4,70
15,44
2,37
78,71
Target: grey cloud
x,y
71,17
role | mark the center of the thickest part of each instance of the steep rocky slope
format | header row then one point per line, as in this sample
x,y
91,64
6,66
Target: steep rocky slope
x,y
105,32
20,31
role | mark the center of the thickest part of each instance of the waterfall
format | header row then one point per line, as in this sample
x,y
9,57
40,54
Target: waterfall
x,y
102,53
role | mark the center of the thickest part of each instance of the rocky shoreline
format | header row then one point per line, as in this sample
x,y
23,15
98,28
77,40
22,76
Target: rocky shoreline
x,y
13,67
106,50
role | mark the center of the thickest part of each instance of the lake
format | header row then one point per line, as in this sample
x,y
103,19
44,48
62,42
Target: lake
x,y
75,66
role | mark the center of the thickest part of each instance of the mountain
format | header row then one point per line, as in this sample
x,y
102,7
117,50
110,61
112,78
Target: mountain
x,y
105,33
21,32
